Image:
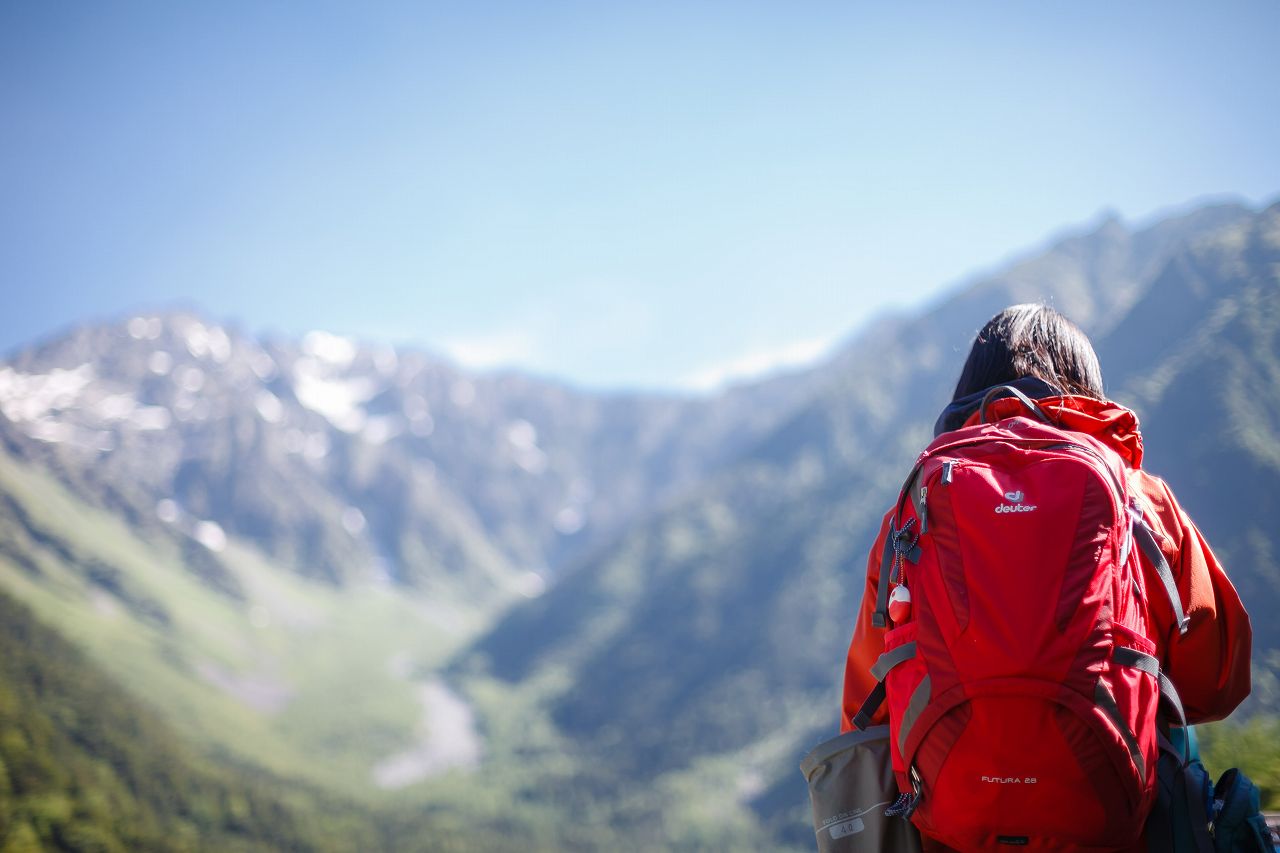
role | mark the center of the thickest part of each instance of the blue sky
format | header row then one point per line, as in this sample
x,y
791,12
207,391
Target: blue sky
x,y
641,194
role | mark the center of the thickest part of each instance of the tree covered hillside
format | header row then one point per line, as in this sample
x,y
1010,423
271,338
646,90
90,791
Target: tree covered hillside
x,y
86,767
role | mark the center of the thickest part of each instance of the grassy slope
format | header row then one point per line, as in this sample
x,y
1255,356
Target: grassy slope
x,y
186,658
297,678
85,766
1253,746
344,660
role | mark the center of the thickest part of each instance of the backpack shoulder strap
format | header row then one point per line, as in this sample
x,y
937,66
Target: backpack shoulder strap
x,y
1146,539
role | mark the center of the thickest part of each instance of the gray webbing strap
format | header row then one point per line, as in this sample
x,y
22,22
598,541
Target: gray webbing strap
x,y
880,617
1147,543
879,670
994,393
1104,700
922,508
1169,694
1137,660
1148,664
870,705
915,706
897,548
892,658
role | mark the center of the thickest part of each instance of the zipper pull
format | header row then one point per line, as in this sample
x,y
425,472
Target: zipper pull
x,y
946,472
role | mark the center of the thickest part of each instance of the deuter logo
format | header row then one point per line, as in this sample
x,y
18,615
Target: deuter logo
x,y
1015,503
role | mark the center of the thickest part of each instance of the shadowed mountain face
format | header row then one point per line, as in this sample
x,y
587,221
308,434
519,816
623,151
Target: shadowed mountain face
x,y
1202,358
704,555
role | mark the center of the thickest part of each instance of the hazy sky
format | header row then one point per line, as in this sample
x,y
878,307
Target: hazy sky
x,y
618,194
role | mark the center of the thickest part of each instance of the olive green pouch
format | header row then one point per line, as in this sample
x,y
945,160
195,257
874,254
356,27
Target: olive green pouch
x,y
851,784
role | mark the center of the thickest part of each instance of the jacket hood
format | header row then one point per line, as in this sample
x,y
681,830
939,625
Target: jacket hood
x,y
1108,422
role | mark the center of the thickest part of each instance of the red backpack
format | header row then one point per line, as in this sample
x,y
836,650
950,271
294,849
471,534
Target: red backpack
x,y
1021,678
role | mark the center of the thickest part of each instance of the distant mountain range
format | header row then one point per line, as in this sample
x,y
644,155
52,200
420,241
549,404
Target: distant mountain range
x,y
325,559
340,460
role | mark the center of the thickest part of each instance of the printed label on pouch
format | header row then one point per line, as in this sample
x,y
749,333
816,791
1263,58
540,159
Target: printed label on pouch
x,y
849,827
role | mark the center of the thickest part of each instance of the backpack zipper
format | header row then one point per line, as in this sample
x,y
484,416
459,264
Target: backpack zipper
x,y
1111,475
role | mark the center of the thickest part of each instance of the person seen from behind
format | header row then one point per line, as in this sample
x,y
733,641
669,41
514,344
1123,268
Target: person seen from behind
x,y
1203,650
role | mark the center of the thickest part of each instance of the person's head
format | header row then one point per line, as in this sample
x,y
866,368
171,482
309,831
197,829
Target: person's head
x,y
1031,340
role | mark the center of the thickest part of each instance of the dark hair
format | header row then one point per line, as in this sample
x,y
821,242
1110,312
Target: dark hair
x,y
1031,340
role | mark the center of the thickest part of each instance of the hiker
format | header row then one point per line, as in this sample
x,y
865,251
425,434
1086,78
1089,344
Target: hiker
x,y
1038,352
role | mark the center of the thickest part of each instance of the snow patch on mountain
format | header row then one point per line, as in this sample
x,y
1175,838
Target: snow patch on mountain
x,y
31,396
145,328
269,407
329,348
523,438
203,341
340,401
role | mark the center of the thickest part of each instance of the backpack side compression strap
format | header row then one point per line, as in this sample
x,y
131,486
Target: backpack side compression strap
x,y
879,671
880,618
869,707
1168,693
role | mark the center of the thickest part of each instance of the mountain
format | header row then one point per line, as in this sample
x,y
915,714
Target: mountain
x,y
721,623
1202,350
275,544
486,607
345,461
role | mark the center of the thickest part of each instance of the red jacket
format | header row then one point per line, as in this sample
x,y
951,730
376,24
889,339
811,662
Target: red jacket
x,y
1209,664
